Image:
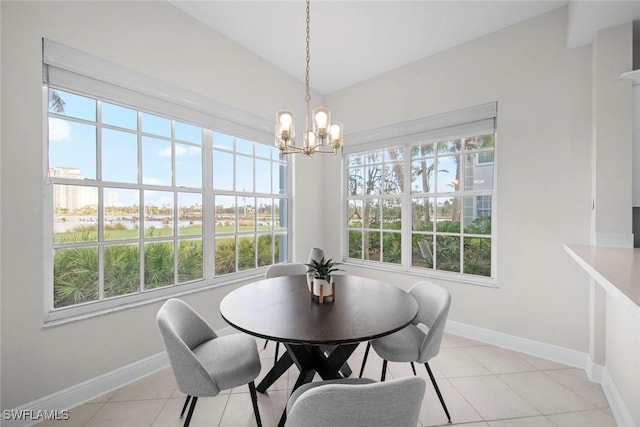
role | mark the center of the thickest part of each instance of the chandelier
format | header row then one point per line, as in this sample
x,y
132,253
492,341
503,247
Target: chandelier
x,y
322,137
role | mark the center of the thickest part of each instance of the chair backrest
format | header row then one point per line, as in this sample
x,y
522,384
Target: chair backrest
x,y
285,269
433,308
182,330
391,403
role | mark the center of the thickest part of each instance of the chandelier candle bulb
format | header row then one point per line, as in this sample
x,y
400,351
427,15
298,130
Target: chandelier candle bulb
x,y
322,131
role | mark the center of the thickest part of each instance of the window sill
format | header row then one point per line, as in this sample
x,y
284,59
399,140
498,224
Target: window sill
x,y
63,316
428,274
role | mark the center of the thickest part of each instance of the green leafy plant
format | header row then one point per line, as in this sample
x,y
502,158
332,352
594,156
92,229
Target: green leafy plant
x,y
322,269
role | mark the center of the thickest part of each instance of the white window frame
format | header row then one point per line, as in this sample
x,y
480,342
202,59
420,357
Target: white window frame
x,y
472,121
69,69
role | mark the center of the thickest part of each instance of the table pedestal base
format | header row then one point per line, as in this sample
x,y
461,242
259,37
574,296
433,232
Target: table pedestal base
x,y
310,359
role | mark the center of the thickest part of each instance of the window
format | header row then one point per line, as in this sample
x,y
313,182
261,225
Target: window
x,y
425,204
151,200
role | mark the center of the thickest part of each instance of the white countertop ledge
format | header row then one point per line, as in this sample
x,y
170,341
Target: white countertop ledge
x,y
615,269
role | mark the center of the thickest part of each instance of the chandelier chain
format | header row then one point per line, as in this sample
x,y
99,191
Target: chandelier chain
x,y
308,38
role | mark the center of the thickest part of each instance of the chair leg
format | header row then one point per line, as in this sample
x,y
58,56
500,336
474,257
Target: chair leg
x,y
265,344
364,359
194,400
184,407
275,359
384,371
435,385
414,369
254,401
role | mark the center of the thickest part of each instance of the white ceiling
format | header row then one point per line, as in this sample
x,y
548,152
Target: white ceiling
x,y
352,41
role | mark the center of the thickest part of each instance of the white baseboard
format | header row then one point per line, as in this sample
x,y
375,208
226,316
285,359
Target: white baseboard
x,y
95,387
596,373
83,392
523,345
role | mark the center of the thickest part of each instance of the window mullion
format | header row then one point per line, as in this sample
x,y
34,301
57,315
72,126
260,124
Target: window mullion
x,y
208,214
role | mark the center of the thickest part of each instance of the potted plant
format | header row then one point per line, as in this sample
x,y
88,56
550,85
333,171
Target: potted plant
x,y
321,271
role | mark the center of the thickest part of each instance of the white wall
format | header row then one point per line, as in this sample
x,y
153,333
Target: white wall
x,y
544,172
154,38
544,132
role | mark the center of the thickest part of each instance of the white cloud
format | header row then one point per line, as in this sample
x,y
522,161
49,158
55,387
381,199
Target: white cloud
x,y
180,151
59,130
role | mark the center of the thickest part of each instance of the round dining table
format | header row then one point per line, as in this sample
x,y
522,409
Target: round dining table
x,y
319,337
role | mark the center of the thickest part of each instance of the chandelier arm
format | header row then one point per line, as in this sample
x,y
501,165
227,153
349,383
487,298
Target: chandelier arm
x,y
313,140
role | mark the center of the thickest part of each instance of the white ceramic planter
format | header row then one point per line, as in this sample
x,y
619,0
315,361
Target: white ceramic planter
x,y
322,289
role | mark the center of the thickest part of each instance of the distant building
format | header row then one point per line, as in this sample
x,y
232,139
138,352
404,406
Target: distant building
x,y
72,197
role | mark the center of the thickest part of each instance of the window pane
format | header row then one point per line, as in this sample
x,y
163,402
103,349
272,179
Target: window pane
x,y
371,214
355,160
265,250
190,260
354,214
264,214
392,214
222,170
477,215
393,154
72,105
372,248
188,166
423,150
263,176
422,250
422,179
225,256
355,244
373,180
121,269
158,213
479,142
244,146
189,214
477,256
246,214
119,156
156,125
225,216
244,174
75,276
393,178
423,214
356,181
189,133
158,264
448,253
222,140
121,214
156,161
72,149
451,146
263,150
116,115
448,177
75,213
280,214
448,214
392,247
478,175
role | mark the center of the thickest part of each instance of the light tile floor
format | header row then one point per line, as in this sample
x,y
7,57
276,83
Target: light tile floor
x,y
483,386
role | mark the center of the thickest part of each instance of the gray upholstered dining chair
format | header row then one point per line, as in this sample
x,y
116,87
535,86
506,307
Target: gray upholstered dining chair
x,y
204,363
358,402
283,269
419,341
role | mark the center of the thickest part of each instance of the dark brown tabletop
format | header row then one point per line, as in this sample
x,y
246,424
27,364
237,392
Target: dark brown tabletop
x,y
281,309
